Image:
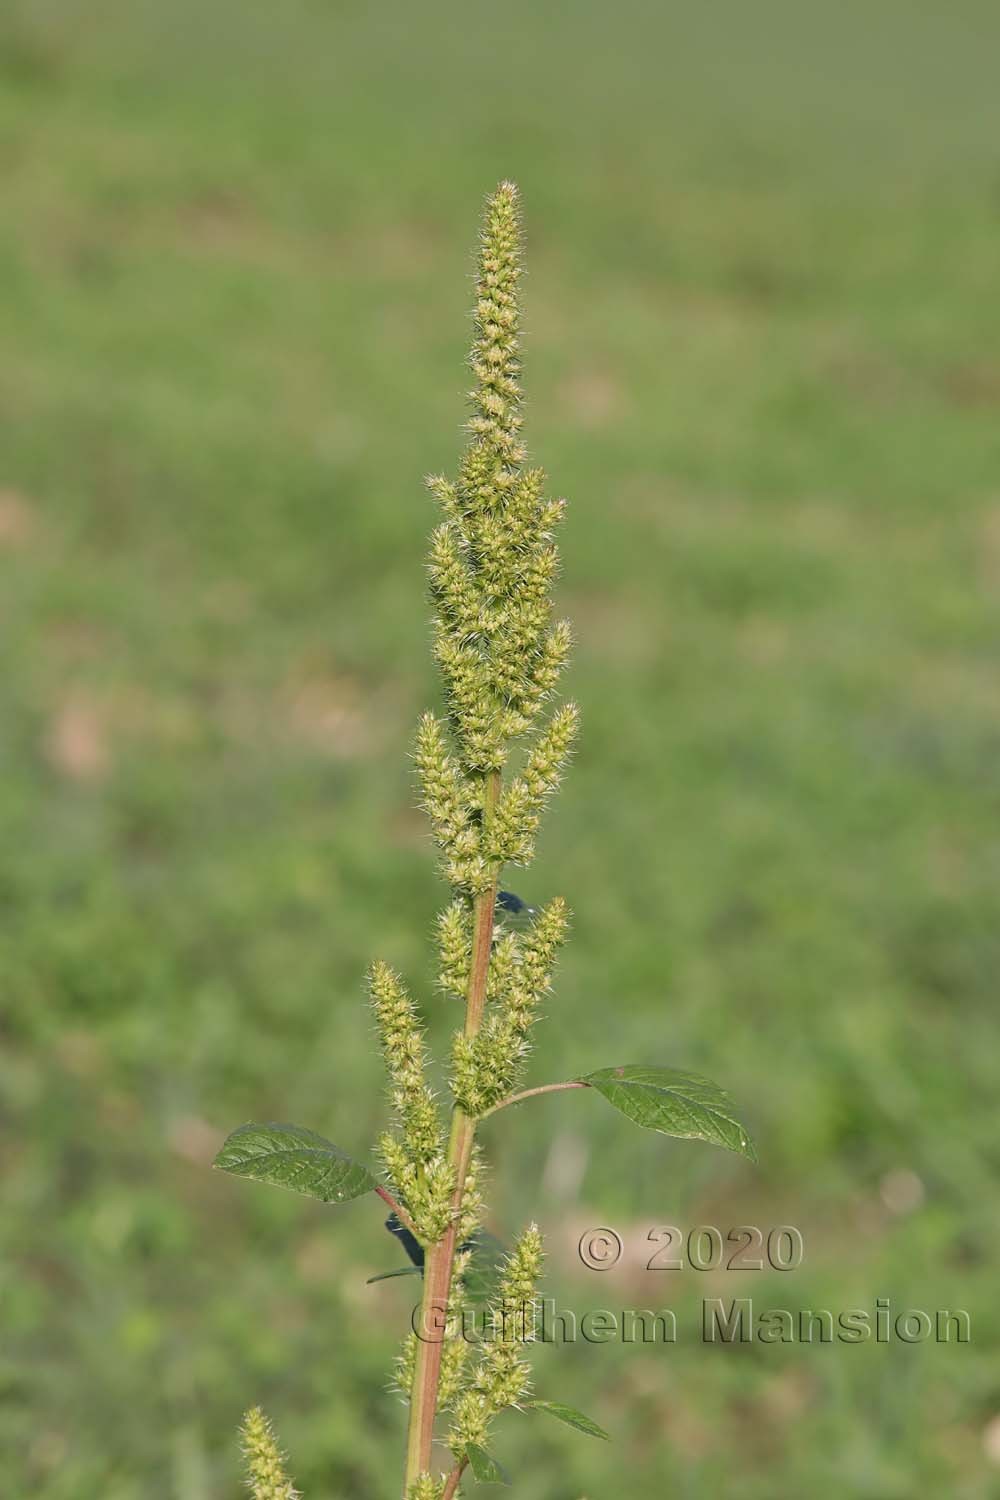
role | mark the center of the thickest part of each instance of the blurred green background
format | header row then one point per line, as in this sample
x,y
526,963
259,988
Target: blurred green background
x,y
761,360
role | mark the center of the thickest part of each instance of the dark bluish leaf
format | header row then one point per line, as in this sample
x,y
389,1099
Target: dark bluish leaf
x,y
485,1263
407,1239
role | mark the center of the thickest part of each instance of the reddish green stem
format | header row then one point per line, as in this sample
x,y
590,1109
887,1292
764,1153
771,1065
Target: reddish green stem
x,y
397,1208
440,1258
454,1480
543,1088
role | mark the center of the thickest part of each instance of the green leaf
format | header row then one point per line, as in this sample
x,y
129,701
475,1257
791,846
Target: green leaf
x,y
400,1271
676,1103
485,1468
292,1157
571,1416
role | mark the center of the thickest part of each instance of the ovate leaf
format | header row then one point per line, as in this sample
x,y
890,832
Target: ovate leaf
x,y
676,1103
485,1468
571,1416
292,1157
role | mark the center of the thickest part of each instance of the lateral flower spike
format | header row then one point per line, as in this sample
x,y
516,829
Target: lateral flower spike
x,y
454,930
502,1377
517,1291
405,1052
449,799
486,1069
414,1154
515,823
266,1477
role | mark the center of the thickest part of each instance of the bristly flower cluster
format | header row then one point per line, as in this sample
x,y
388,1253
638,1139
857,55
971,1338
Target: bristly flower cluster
x,y
501,1378
486,768
492,565
426,1488
265,1465
485,1067
493,561
414,1154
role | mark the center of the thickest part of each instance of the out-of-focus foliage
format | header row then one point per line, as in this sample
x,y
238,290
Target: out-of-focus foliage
x,y
761,335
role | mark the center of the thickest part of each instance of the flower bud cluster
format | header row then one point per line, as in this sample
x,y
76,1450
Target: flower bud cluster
x,y
486,1067
471,1213
501,1378
453,803
455,1350
264,1461
405,1364
426,1488
454,933
510,836
414,1154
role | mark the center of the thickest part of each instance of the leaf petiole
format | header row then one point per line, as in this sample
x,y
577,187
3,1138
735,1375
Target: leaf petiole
x,y
543,1088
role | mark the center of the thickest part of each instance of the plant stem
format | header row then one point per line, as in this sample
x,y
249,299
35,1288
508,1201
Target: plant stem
x,y
397,1208
543,1088
440,1258
454,1479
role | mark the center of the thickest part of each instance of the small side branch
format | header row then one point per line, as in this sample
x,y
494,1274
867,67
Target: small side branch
x,y
454,1479
397,1209
543,1088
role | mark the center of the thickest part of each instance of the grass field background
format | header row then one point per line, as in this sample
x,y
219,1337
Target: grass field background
x,y
761,360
